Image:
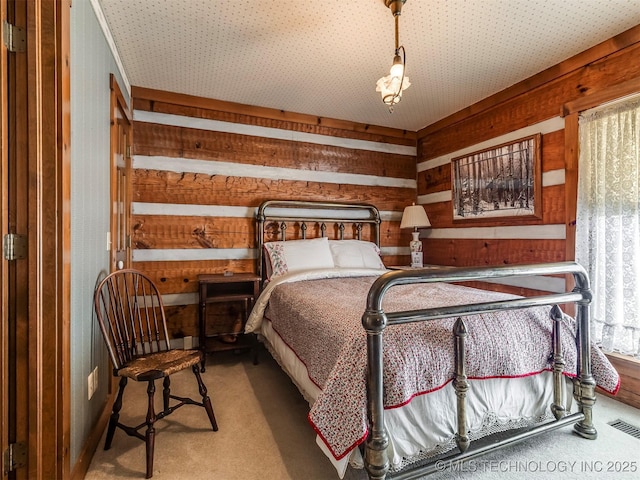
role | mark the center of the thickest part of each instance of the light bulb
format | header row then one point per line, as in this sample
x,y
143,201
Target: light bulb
x,y
397,69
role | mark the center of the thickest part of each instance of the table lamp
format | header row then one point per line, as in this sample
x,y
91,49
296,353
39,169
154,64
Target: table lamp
x,y
415,217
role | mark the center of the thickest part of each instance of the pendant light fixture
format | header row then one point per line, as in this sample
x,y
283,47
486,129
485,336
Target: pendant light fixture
x,y
391,86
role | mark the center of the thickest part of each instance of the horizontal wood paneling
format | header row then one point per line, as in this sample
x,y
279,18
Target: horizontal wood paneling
x,y
154,231
533,106
438,179
553,212
170,187
523,106
180,320
466,252
165,140
553,151
480,251
434,180
182,277
486,252
349,163
602,50
167,102
162,232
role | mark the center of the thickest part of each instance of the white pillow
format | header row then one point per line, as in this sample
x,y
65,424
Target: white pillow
x,y
294,255
355,254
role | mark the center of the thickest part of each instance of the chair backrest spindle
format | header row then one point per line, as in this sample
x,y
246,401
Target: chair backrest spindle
x,y
127,284
143,318
117,311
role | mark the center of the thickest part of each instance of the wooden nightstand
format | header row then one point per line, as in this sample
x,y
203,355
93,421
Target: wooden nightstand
x,y
219,332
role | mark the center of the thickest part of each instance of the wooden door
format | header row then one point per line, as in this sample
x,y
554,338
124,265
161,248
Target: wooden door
x,y
120,179
15,267
6,404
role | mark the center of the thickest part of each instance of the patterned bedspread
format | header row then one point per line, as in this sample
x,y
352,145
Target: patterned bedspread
x,y
321,321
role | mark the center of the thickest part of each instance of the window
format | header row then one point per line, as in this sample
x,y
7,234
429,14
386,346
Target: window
x,y
608,222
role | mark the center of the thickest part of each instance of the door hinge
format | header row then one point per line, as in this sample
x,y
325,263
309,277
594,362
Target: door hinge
x,y
14,246
128,152
15,456
15,38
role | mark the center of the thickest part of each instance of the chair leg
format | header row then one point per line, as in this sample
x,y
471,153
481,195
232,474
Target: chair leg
x,y
206,401
115,414
151,431
166,391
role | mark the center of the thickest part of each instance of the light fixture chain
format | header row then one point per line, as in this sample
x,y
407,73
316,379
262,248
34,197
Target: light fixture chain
x,y
397,22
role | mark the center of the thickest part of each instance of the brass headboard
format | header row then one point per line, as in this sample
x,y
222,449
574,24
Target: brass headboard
x,y
303,213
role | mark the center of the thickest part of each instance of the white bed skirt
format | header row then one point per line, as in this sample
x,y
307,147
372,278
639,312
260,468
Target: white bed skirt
x,y
493,405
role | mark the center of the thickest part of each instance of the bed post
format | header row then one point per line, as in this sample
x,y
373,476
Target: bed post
x,y
584,389
557,407
376,460
460,383
260,218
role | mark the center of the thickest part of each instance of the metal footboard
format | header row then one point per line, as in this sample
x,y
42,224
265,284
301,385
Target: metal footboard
x,y
375,320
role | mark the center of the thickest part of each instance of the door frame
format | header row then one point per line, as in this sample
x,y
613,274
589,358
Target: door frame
x,y
49,94
121,141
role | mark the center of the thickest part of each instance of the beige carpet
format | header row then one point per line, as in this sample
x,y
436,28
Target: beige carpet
x,y
264,434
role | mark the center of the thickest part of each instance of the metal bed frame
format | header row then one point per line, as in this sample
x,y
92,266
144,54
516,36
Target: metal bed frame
x,y
375,321
284,212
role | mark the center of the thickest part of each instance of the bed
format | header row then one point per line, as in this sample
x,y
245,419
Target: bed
x,y
458,364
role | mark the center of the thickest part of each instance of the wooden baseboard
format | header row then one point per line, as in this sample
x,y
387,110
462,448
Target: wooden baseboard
x,y
629,370
86,454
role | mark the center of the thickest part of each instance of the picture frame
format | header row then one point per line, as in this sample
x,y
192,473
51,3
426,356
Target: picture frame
x,y
498,183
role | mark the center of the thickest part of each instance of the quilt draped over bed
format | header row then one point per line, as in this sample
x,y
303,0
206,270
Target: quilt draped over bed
x,y
418,357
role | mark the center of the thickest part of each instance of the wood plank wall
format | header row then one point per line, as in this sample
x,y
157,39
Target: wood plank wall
x,y
202,167
533,106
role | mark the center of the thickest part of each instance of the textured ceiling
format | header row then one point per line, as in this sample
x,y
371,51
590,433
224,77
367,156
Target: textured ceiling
x,y
323,57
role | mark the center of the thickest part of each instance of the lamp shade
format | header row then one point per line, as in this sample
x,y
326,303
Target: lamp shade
x,y
414,216
391,89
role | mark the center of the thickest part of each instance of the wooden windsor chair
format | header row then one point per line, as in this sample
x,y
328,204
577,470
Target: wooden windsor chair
x,y
132,320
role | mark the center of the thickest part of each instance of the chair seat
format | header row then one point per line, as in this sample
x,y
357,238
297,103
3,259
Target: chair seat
x,y
159,364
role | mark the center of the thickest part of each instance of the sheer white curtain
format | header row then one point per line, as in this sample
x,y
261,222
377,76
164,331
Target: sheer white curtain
x,y
608,223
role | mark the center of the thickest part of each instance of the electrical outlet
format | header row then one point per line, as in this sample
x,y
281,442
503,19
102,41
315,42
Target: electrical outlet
x,y
95,379
92,383
90,386
187,342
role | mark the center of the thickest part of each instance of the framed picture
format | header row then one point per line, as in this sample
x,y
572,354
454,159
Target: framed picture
x,y
500,182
